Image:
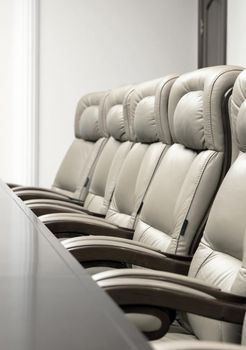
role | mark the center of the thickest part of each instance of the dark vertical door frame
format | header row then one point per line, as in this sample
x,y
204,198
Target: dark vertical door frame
x,y
212,19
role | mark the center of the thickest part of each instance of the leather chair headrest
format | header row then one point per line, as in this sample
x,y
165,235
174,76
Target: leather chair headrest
x,y
87,125
148,111
195,111
116,123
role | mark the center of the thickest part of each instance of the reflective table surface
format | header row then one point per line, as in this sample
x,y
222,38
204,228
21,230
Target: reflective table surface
x,y
47,300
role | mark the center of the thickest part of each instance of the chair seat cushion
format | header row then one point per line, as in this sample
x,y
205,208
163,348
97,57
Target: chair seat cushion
x,y
176,333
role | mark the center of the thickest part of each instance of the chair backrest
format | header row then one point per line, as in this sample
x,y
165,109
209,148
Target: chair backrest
x,y
189,173
220,259
90,137
141,162
113,154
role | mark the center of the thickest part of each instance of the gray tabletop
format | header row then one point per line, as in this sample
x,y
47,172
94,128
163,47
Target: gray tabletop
x,y
47,300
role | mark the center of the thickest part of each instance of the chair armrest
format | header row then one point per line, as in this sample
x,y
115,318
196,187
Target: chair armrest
x,y
70,204
92,250
50,206
175,294
12,185
44,209
32,188
36,194
71,225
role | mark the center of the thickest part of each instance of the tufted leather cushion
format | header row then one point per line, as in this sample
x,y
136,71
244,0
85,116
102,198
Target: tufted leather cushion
x,y
223,244
115,120
144,122
115,123
144,111
188,122
238,110
87,124
161,108
241,128
214,82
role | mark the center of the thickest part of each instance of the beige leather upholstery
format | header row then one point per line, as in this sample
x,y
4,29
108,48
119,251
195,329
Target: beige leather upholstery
x,y
110,160
220,257
144,119
142,160
238,105
113,154
201,345
189,173
90,137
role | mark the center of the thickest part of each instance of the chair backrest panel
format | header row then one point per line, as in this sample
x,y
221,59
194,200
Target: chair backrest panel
x,y
174,196
117,131
220,258
76,165
190,171
80,159
141,162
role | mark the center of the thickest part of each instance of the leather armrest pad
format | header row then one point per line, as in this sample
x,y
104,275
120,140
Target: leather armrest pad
x,y
12,185
35,194
32,188
211,303
71,225
125,251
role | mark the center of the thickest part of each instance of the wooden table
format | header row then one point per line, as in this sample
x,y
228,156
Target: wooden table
x,y
47,300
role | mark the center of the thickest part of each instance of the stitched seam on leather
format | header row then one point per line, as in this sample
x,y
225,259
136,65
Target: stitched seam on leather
x,y
203,261
159,109
126,115
92,198
89,173
108,201
78,117
198,181
135,213
210,94
147,228
102,115
114,211
234,118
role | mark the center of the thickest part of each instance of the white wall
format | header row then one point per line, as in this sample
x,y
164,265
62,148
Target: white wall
x,y
6,92
89,45
236,27
85,45
17,90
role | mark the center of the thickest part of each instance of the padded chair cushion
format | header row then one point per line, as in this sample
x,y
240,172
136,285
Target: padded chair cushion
x,y
241,127
188,123
82,155
115,120
113,154
223,244
238,106
176,333
133,182
87,125
145,112
214,82
161,108
115,123
142,161
145,122
189,172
